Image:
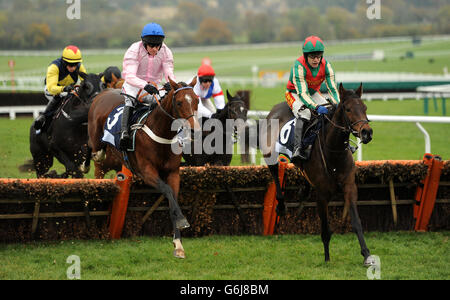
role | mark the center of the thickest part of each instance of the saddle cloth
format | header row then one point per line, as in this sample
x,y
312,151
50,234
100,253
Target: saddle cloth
x,y
112,129
286,139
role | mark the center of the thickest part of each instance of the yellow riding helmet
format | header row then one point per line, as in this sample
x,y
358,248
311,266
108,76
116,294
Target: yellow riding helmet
x,y
72,54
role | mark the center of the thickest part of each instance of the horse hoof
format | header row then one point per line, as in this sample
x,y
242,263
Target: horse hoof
x,y
182,223
179,253
84,169
99,156
370,261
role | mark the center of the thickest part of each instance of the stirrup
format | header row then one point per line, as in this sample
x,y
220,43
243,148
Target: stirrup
x,y
298,155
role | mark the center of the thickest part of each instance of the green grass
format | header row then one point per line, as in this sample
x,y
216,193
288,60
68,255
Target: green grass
x,y
403,255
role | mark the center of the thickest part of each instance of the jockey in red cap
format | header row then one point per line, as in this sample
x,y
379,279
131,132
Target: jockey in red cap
x,y
208,86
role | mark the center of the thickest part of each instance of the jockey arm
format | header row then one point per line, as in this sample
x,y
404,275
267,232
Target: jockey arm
x,y
54,86
331,84
130,68
217,94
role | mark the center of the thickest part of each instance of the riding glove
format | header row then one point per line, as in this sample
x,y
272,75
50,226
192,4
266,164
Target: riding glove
x,y
322,110
151,89
167,86
68,88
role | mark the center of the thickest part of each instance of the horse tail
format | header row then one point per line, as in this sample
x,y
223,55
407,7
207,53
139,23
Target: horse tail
x,y
28,166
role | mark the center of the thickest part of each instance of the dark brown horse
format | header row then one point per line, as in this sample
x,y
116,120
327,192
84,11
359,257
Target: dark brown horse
x,y
235,113
331,167
154,158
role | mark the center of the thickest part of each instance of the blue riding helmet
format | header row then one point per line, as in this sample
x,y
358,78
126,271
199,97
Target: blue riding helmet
x,y
152,29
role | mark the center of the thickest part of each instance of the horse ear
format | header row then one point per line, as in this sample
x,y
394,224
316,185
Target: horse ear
x,y
193,82
114,78
359,90
173,84
229,97
341,91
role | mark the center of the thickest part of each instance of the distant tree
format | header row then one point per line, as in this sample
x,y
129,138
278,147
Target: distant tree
x,y
213,31
287,33
341,21
190,13
306,21
38,35
259,27
443,19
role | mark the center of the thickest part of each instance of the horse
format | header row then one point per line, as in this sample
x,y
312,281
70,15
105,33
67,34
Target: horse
x,y
112,77
65,137
113,80
331,166
155,159
234,110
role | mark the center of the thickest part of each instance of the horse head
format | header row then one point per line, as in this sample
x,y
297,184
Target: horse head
x,y
354,114
236,107
89,87
112,77
182,103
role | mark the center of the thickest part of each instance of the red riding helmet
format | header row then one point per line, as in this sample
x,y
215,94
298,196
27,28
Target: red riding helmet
x,y
206,70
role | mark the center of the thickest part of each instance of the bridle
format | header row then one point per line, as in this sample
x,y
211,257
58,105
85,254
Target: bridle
x,y
239,103
349,126
177,113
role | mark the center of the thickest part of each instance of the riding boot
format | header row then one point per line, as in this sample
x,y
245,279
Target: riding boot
x,y
298,152
48,113
124,135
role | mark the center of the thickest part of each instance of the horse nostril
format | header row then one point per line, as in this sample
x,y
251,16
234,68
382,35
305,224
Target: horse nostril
x,y
366,135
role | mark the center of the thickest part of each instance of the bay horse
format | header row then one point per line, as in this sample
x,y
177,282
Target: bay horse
x,y
65,137
331,166
153,159
235,111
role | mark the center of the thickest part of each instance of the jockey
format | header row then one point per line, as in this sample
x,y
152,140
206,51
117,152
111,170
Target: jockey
x,y
145,61
208,86
62,74
303,88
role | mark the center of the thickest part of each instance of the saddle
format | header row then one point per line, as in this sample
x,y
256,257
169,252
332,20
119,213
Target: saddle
x,y
285,143
112,129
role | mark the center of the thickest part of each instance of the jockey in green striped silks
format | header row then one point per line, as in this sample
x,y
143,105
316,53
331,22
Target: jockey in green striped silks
x,y
303,88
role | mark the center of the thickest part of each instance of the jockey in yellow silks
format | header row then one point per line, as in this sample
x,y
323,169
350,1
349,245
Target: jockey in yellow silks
x,y
62,74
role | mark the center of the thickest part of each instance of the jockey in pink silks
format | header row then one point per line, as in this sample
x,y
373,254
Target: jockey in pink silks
x,y
144,65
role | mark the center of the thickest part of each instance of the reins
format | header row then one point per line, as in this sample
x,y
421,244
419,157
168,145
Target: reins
x,y
157,99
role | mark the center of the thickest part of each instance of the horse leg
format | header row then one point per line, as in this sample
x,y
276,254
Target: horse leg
x,y
281,208
86,165
322,207
173,180
351,194
42,163
71,168
151,177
